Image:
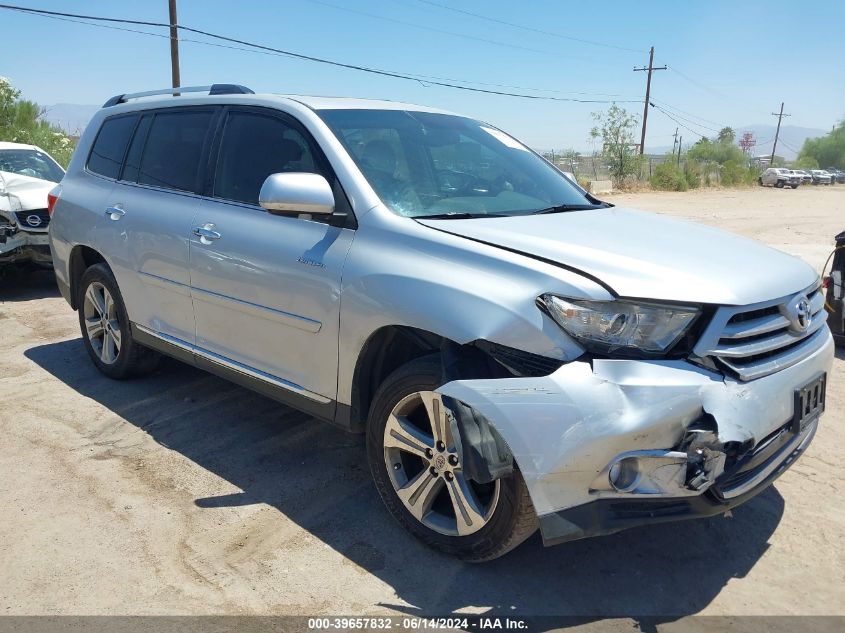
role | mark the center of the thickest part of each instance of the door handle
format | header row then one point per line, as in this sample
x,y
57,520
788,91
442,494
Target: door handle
x,y
206,233
115,212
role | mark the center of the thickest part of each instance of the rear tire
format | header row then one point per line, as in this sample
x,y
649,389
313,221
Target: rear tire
x,y
105,327
493,519
779,184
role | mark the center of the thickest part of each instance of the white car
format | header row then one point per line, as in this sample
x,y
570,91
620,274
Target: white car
x,y
779,177
806,176
27,174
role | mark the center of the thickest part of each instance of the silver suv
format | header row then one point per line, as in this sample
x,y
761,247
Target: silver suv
x,y
516,352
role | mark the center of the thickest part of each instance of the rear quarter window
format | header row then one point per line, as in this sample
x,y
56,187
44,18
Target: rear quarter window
x,y
109,148
174,147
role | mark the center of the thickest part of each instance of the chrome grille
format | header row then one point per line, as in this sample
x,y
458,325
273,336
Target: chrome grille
x,y
758,340
33,220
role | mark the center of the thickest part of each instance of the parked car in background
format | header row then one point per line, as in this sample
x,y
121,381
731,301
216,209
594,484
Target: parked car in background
x,y
820,177
806,177
834,283
836,174
799,175
27,174
779,177
515,352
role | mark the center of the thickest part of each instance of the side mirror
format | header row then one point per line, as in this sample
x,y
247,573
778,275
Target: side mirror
x,y
297,192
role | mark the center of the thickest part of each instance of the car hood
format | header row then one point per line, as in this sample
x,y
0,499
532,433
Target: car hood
x,y
645,255
25,193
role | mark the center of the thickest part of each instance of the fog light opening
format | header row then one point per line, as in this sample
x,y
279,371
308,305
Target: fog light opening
x,y
624,475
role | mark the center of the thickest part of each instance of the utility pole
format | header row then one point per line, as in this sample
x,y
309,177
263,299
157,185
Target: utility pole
x,y
647,92
674,141
779,115
174,45
679,150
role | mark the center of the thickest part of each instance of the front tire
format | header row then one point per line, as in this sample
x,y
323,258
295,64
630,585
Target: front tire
x,y
418,472
105,327
780,184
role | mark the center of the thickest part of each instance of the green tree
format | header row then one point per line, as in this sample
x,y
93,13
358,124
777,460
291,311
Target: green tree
x,y
806,162
826,151
726,135
22,121
718,152
616,129
8,97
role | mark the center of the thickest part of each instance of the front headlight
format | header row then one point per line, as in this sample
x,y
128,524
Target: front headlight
x,y
621,326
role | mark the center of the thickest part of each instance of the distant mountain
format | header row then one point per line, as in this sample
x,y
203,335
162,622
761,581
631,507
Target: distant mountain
x,y
791,138
71,117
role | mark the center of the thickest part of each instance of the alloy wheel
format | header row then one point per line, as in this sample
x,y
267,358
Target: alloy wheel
x,y
425,468
101,322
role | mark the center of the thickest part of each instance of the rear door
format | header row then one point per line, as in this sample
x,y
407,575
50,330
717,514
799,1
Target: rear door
x,y
149,214
266,288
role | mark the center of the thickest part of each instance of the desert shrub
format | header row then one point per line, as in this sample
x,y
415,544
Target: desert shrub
x,y
692,173
732,174
668,177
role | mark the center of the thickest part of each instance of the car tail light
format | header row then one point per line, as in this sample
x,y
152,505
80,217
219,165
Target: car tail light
x,y
52,197
826,283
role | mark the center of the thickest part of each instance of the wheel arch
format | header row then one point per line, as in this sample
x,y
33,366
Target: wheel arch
x,y
392,346
384,351
81,258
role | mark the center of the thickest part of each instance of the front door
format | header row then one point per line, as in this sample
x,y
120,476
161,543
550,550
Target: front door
x,y
266,288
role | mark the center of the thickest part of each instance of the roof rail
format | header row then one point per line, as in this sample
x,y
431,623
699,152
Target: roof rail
x,y
214,89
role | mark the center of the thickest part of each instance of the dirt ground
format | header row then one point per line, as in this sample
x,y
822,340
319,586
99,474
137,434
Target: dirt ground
x,y
183,494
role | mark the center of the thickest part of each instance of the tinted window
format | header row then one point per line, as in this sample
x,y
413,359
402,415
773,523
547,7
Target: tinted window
x,y
110,146
253,147
173,149
133,156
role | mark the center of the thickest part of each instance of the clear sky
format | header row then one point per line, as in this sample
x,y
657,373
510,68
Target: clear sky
x,y
731,62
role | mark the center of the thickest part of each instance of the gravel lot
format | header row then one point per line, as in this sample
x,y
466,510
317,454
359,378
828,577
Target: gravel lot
x,y
184,494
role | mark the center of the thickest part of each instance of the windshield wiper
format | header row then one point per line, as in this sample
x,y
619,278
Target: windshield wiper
x,y
457,215
562,208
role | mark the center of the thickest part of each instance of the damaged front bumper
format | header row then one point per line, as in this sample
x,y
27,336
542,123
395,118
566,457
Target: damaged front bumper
x,y
611,444
22,247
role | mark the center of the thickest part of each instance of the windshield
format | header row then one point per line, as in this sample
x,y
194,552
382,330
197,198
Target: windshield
x,y
423,164
30,162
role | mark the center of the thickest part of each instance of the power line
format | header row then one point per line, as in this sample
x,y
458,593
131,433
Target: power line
x,y
690,114
690,121
268,49
788,146
436,30
697,83
528,28
677,121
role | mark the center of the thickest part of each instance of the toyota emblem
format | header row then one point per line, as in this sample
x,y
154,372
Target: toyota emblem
x,y
33,220
803,315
